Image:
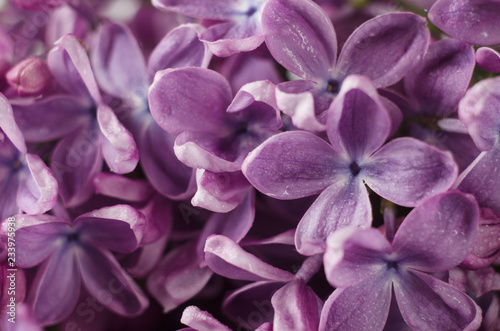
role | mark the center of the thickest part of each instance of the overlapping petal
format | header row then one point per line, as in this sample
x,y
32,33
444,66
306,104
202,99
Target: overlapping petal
x,y
488,59
201,320
439,233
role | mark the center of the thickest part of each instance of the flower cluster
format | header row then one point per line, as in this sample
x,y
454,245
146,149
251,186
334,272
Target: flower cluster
x,y
290,165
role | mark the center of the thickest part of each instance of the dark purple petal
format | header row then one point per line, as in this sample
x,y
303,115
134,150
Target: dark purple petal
x,y
292,165
475,22
109,284
189,99
296,307
178,277
480,111
181,47
488,59
164,171
118,145
482,180
39,190
343,204
358,123
438,83
8,125
75,161
118,228
118,62
406,171
428,303
364,306
385,48
353,255
220,192
439,233
57,287
228,259
53,117
300,37
121,187
37,237
216,9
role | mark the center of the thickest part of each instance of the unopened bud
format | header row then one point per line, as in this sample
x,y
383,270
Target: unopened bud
x,y
29,77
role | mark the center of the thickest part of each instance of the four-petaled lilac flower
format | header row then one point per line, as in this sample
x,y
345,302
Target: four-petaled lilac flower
x,y
80,251
297,164
368,270
239,31
301,38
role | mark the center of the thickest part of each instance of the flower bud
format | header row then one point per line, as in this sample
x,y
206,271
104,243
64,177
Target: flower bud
x,y
29,77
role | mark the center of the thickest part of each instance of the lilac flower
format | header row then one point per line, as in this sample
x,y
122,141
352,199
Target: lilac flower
x,y
128,78
200,320
37,5
29,77
475,22
90,130
368,270
72,253
301,38
239,31
298,164
214,131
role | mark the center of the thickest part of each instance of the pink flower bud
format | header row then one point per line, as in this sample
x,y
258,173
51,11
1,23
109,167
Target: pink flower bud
x,y
29,77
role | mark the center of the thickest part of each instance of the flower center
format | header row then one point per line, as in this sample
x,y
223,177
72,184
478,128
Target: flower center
x,y
333,86
392,265
355,169
251,11
73,237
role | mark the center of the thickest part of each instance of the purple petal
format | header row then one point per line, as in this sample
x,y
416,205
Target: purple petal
x,y
406,171
296,307
234,224
70,64
124,188
300,37
39,190
75,161
220,192
439,233
118,228
479,110
305,102
292,165
201,320
118,145
164,171
364,306
482,180
57,287
353,255
385,48
233,37
53,117
216,9
178,277
181,47
427,303
118,62
438,83
343,204
475,22
358,123
37,237
8,125
228,259
197,99
109,284
488,59
64,20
